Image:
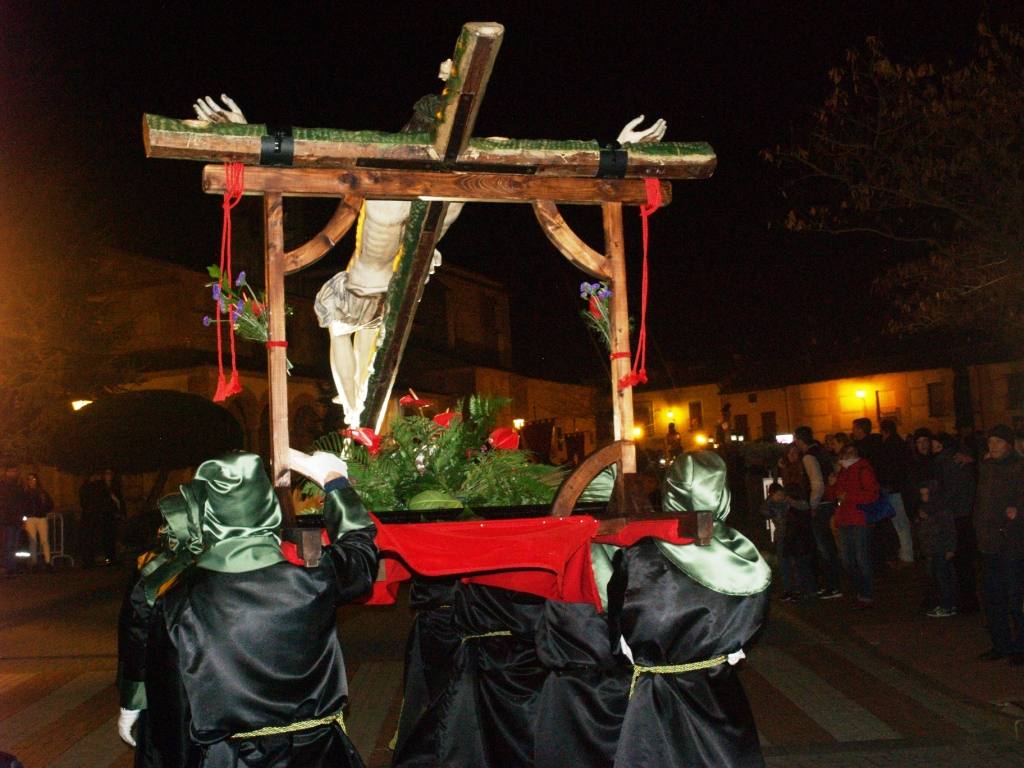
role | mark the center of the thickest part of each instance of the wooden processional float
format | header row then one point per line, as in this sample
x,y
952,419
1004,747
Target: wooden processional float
x,y
434,169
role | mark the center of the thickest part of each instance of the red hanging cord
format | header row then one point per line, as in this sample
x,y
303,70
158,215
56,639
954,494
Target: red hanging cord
x,y
234,174
638,374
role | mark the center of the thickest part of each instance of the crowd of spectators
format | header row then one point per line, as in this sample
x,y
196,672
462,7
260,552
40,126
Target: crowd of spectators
x,y
860,501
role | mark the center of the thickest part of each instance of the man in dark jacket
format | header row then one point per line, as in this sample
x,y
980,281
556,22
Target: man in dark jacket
x,y
1000,530
957,486
891,462
868,443
818,467
12,510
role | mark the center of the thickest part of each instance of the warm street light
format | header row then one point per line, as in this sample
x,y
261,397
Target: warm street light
x,y
701,439
518,423
80,404
670,414
638,432
860,393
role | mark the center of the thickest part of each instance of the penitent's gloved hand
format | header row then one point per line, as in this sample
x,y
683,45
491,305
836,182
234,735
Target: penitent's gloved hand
x,y
125,722
321,467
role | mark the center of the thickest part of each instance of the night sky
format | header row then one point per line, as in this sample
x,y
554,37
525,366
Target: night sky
x,y
75,83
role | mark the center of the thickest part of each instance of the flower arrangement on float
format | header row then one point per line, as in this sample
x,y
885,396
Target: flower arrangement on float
x,y
241,305
454,460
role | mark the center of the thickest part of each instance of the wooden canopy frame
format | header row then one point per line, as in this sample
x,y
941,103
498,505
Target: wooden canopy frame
x,y
435,169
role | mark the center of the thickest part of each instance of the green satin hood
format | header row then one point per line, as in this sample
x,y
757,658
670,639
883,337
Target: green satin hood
x,y
731,564
696,483
240,513
227,519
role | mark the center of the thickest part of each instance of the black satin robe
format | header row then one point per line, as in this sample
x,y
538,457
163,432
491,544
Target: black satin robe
x,y
699,718
486,715
583,700
259,649
146,656
429,658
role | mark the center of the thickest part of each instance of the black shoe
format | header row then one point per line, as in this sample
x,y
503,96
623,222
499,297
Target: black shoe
x,y
991,655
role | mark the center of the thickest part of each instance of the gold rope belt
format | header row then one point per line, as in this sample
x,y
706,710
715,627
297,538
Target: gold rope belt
x,y
498,633
673,669
302,725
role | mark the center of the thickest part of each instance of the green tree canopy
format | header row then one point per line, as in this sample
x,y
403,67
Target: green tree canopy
x,y
928,155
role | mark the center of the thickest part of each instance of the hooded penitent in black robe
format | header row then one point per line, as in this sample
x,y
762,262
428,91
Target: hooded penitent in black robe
x,y
584,696
254,635
681,604
486,715
698,718
429,656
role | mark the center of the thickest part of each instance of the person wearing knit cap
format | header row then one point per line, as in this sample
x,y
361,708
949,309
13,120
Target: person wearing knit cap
x,y
1000,530
227,641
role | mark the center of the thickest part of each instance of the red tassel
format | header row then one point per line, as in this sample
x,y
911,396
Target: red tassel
x,y
221,394
639,373
234,386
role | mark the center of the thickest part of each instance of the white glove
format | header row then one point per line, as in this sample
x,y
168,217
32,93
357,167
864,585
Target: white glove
x,y
125,722
647,136
209,110
321,467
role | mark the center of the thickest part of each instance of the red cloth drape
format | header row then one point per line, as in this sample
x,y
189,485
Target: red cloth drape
x,y
545,556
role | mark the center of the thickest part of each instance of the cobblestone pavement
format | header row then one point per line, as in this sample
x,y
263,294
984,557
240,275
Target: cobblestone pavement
x,y
822,699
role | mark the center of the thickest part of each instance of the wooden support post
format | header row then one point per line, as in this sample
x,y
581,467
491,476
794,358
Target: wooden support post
x,y
277,356
622,399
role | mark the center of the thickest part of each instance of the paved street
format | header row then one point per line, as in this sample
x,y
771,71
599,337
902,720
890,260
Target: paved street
x,y
829,688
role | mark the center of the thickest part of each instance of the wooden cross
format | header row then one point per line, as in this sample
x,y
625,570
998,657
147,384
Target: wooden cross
x,y
433,169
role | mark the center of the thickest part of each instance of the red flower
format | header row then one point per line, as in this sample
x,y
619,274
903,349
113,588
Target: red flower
x,y
445,419
593,308
364,436
504,439
412,400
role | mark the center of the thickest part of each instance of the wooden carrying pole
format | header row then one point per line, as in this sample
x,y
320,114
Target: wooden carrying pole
x,y
277,352
618,308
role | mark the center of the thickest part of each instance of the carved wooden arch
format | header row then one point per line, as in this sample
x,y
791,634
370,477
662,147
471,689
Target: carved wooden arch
x,y
584,474
628,501
595,264
316,248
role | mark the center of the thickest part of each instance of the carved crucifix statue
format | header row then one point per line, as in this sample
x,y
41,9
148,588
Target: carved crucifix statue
x,y
416,179
350,305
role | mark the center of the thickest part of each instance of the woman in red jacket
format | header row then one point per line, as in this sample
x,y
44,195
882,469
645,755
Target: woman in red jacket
x,y
853,486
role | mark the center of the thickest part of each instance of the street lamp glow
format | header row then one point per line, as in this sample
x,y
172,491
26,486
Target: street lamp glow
x,y
701,439
860,393
670,414
638,432
80,404
518,423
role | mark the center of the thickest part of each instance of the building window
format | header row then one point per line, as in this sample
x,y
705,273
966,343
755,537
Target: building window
x,y
741,425
769,427
1015,391
696,415
938,401
752,397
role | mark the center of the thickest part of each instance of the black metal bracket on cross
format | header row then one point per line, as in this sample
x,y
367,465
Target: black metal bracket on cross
x,y
277,148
